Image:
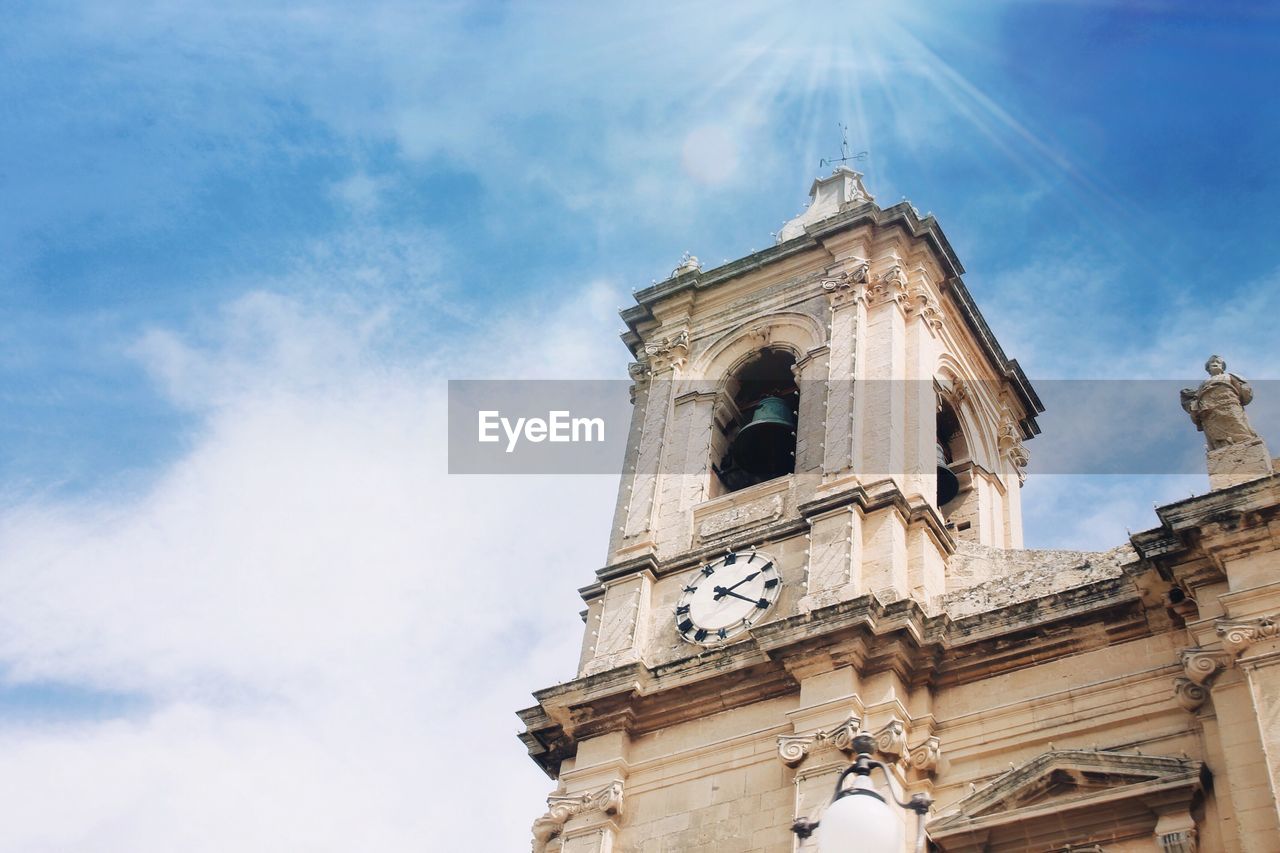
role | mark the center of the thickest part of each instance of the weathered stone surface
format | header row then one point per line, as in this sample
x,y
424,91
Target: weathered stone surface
x,y
1233,464
1001,577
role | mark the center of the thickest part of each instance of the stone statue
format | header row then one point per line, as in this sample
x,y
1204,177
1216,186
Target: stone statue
x,y
1217,406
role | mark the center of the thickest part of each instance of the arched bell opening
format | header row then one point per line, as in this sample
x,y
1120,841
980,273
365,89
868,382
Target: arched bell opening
x,y
756,430
952,454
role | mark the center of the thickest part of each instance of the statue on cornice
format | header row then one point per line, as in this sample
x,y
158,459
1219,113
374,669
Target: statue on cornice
x,y
1217,406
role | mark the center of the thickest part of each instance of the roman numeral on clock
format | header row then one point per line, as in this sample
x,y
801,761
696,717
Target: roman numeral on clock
x,y
682,609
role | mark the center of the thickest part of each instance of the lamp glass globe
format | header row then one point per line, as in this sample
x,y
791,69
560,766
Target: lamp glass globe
x,y
859,823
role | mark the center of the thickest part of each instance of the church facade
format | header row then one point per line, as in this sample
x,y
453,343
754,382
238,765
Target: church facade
x,y
818,535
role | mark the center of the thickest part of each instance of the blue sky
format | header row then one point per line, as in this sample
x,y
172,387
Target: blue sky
x,y
242,246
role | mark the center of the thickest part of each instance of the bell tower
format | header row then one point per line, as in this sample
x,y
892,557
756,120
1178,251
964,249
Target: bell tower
x,y
817,429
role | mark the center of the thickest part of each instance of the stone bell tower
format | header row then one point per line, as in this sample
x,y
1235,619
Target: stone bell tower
x,y
751,618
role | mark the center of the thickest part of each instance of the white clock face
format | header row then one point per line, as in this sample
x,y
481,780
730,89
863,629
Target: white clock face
x,y
726,597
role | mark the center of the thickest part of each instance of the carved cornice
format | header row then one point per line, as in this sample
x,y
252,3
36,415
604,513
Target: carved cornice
x,y
562,807
1239,634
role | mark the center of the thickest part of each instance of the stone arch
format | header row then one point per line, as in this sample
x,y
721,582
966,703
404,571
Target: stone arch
x,y
979,435
792,331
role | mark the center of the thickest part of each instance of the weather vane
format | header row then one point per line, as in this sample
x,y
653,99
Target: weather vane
x,y
845,156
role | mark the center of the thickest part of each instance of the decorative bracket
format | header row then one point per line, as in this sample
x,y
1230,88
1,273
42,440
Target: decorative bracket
x,y
927,755
892,284
671,351
1189,694
793,749
921,300
848,285
1010,443
1239,634
891,740
560,808
1203,665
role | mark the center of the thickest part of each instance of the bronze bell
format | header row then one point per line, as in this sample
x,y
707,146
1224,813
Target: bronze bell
x,y
948,483
766,447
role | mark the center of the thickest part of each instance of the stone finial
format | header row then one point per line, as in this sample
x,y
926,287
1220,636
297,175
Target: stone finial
x,y
688,263
828,196
1235,452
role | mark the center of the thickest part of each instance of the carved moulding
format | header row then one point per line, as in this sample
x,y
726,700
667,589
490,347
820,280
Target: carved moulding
x,y
892,284
562,807
1239,634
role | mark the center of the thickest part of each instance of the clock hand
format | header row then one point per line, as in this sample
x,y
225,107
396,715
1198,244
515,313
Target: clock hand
x,y
722,591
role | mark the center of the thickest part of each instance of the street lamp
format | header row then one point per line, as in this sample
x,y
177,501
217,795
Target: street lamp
x,y
858,819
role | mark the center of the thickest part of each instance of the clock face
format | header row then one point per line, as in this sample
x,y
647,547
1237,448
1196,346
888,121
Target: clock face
x,y
726,597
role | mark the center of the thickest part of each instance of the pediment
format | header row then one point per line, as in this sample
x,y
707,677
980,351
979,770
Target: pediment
x,y
1062,780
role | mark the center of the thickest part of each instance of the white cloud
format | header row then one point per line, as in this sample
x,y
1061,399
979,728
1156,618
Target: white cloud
x,y
329,636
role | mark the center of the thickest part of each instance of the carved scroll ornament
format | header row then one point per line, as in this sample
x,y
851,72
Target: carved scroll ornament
x,y
1239,634
793,749
560,808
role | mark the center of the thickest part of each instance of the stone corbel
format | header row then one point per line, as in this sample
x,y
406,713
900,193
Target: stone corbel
x,y
639,373
560,808
1189,694
892,284
671,351
891,739
1239,634
848,285
793,749
1010,443
922,303
1203,665
926,756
